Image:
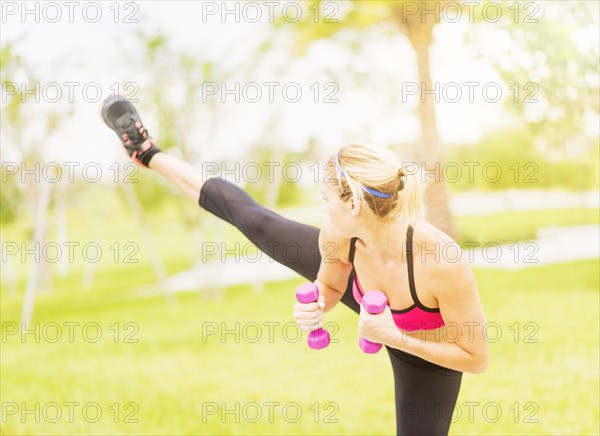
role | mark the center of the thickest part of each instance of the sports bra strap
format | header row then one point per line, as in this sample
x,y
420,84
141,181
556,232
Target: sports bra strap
x,y
409,261
410,267
352,248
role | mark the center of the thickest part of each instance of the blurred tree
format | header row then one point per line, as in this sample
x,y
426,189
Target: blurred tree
x,y
418,28
14,122
520,164
547,49
26,126
173,92
188,123
547,55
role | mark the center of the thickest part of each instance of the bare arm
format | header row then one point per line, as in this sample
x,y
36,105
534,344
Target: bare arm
x,y
333,274
460,344
331,279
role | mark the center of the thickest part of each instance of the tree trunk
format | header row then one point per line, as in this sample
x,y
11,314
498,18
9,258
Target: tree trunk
x,y
39,238
420,34
9,275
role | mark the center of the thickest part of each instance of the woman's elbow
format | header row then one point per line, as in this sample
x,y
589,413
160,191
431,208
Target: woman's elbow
x,y
480,364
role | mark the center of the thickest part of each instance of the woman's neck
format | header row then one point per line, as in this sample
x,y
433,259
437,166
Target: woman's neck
x,y
384,240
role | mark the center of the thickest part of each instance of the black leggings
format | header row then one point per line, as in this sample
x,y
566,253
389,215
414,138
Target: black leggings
x,y
426,393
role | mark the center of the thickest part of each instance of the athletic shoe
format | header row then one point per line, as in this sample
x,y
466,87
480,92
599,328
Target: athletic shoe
x,y
120,115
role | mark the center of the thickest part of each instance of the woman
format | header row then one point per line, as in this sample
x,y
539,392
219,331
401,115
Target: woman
x,y
375,227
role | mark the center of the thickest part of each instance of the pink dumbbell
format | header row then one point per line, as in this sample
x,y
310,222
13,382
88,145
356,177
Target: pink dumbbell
x,y
374,302
309,293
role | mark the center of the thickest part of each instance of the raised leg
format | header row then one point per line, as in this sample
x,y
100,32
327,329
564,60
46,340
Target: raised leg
x,y
288,242
182,174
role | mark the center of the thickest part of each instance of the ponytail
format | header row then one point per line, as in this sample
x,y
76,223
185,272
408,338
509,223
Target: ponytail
x,y
410,197
374,175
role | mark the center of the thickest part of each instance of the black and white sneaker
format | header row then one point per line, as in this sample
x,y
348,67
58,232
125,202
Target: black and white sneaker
x,y
120,115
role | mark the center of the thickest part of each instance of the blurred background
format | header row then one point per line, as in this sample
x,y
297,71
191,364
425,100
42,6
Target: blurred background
x,y
127,309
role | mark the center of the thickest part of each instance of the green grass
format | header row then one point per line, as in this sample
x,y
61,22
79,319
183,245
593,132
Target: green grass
x,y
548,373
179,244
509,227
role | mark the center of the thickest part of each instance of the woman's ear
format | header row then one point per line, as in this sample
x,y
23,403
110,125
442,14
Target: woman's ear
x,y
354,207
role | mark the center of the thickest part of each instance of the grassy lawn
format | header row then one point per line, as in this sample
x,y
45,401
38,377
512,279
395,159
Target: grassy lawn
x,y
234,364
509,227
185,367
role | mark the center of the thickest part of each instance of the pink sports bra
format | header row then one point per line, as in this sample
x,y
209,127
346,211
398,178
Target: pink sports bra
x,y
417,316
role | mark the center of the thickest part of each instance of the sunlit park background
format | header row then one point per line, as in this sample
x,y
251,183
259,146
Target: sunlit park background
x,y
128,309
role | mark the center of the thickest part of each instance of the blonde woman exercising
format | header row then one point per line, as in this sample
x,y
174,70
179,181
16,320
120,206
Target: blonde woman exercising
x,y
433,325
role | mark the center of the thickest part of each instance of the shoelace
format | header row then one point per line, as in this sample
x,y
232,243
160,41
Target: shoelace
x,y
133,132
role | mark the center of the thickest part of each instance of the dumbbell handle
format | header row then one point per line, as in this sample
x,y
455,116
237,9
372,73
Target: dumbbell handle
x,y
309,293
374,302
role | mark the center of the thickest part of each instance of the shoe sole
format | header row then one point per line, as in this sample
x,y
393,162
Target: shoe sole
x,y
105,108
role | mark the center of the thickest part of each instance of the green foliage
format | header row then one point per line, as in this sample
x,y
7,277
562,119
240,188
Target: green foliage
x,y
557,78
257,190
12,64
176,108
11,199
10,194
149,189
289,192
554,78
323,19
177,114
521,165
18,113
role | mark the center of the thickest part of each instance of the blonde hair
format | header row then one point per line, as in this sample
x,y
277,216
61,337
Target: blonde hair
x,y
359,169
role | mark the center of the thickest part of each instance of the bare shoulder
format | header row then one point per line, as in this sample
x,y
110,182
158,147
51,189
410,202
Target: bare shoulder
x,y
429,236
331,245
441,255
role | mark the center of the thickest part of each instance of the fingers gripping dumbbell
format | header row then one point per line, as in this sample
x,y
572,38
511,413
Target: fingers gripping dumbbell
x,y
309,293
374,302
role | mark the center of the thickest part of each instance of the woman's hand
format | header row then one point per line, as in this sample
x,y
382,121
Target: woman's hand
x,y
379,328
310,316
